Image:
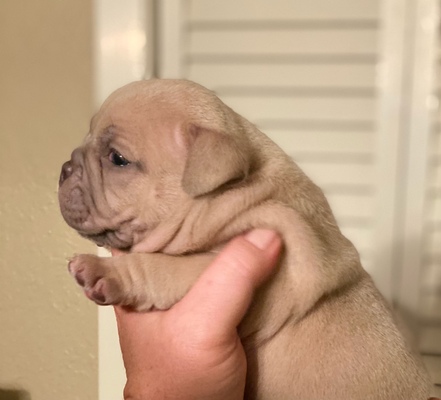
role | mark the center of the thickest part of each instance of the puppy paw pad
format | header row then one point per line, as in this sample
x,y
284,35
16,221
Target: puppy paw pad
x,y
98,292
104,292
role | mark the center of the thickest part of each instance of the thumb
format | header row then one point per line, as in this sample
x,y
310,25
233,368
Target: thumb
x,y
221,296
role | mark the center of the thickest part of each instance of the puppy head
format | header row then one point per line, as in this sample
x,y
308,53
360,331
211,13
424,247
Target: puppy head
x,y
153,148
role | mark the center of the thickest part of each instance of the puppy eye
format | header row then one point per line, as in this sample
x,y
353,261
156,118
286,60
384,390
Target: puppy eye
x,y
117,159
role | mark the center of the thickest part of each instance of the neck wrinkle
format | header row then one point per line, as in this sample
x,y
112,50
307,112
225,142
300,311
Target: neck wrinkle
x,y
159,237
211,221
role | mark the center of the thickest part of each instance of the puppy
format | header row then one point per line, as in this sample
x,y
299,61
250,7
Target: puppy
x,y
170,173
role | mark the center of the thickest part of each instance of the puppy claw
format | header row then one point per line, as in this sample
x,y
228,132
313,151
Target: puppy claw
x,y
70,261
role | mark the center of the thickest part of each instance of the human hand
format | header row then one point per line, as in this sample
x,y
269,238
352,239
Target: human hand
x,y
193,351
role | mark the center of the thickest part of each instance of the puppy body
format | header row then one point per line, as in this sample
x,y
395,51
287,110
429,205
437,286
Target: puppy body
x,y
199,174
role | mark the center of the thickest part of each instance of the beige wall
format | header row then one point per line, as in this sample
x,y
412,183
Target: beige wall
x,y
48,331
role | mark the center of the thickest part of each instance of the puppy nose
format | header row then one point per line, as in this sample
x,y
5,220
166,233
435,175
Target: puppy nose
x,y
71,166
66,171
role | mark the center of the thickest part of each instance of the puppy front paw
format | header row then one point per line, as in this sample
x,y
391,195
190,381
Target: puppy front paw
x,y
95,277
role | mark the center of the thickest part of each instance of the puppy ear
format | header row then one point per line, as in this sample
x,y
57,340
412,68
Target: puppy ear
x,y
213,160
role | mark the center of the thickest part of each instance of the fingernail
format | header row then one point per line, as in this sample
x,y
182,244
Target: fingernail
x,y
261,238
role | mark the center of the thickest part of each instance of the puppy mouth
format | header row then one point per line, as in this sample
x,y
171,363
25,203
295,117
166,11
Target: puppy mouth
x,y
109,238
91,224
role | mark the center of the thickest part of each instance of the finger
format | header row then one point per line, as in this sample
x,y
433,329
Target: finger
x,y
135,331
224,291
131,322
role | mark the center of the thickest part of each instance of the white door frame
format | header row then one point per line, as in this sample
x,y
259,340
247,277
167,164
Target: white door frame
x,y
390,77
121,54
405,87
424,19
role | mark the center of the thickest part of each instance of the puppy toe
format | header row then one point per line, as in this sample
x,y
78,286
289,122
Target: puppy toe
x,y
76,269
97,293
80,280
105,292
86,269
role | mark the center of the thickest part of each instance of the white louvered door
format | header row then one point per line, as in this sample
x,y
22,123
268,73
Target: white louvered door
x,y
305,73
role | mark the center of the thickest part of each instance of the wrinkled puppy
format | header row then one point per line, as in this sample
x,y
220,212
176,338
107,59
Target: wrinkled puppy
x,y
170,173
